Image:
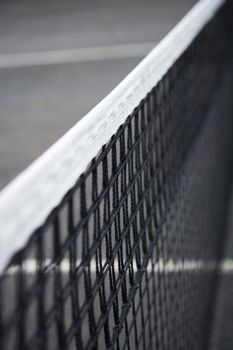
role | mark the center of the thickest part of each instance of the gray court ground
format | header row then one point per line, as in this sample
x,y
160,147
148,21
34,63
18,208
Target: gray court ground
x,y
40,100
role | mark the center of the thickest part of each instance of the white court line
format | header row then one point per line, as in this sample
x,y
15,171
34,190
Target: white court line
x,y
226,266
170,266
44,58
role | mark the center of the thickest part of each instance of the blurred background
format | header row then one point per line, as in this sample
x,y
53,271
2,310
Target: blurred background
x,y
59,58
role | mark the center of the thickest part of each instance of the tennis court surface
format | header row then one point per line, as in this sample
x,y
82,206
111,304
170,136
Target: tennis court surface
x,y
119,236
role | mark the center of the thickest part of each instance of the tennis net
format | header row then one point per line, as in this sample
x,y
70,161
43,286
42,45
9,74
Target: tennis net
x,y
113,239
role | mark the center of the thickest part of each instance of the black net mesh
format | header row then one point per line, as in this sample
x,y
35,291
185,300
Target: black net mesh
x,y
129,258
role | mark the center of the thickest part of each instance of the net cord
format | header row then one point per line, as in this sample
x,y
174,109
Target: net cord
x,y
26,202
